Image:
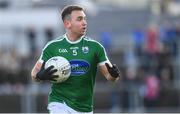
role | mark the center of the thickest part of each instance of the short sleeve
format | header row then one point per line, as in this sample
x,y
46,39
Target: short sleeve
x,y
45,54
101,55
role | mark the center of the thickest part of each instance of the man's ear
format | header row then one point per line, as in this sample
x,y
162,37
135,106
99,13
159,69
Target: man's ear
x,y
67,24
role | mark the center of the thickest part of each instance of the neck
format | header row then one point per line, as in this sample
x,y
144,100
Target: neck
x,y
73,37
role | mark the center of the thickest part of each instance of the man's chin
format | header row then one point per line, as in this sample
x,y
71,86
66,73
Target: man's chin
x,y
83,34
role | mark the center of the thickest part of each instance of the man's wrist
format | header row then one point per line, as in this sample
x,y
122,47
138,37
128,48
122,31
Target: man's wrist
x,y
114,75
110,77
37,77
38,80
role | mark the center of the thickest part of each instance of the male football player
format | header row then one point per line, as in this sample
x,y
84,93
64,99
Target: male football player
x,y
75,95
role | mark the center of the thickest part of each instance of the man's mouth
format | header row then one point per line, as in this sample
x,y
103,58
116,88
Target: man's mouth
x,y
84,29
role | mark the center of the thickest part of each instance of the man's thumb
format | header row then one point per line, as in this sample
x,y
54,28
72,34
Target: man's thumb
x,y
107,65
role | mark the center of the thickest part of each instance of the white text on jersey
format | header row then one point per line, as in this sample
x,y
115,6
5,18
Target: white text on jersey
x,y
63,51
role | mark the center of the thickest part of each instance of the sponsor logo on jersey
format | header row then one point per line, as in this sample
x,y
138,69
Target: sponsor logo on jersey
x,y
79,67
85,49
63,50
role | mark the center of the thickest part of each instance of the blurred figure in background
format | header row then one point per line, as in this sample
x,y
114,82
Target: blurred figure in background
x,y
49,33
106,40
138,37
152,91
31,35
151,48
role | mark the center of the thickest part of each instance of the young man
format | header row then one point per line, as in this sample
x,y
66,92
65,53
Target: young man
x,y
75,95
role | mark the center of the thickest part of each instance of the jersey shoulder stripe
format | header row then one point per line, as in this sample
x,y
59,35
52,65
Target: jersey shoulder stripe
x,y
93,41
97,44
88,39
60,38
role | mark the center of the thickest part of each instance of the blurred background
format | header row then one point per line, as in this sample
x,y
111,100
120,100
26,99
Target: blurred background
x,y
141,36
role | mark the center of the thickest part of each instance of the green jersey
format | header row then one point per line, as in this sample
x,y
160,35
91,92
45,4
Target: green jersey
x,y
84,56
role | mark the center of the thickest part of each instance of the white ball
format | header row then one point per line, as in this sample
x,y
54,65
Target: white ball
x,y
62,65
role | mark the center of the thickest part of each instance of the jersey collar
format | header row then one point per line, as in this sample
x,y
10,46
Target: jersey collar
x,y
73,42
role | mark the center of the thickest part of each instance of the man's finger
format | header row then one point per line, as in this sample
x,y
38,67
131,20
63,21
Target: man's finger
x,y
114,66
43,64
54,76
49,68
107,65
53,80
52,71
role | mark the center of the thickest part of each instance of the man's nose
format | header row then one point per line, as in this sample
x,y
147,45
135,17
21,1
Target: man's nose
x,y
84,22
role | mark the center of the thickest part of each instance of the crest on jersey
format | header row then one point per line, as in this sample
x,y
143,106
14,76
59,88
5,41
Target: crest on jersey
x,y
85,49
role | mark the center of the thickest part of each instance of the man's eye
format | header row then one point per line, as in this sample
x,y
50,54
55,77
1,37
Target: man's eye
x,y
79,19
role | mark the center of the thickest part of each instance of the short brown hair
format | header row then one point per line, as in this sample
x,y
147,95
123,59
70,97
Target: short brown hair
x,y
68,10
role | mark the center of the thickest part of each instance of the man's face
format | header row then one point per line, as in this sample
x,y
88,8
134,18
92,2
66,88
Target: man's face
x,y
77,23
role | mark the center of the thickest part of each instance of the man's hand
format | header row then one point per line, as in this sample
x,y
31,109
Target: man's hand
x,y
46,74
113,71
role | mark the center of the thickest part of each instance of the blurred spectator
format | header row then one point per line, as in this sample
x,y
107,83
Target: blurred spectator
x,y
164,6
106,40
166,77
151,48
31,34
4,4
164,56
114,101
49,34
10,60
151,45
168,95
138,36
170,38
165,59
151,91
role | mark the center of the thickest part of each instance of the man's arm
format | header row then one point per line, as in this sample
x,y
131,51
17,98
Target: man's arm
x,y
111,73
35,70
